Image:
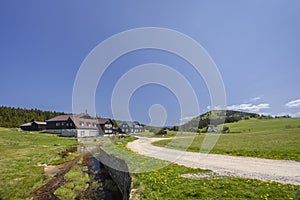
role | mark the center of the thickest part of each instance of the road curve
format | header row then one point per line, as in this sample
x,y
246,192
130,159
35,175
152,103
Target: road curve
x,y
282,171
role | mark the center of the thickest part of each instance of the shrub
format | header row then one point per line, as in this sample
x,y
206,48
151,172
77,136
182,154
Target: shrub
x,y
288,126
161,132
225,129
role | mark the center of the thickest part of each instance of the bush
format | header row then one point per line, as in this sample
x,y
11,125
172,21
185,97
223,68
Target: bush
x,y
162,132
288,126
225,129
175,128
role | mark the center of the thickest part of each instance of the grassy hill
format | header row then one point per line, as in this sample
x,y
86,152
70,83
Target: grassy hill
x,y
265,138
258,125
217,117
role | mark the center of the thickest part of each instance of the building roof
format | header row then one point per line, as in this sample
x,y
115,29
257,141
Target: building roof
x,y
130,124
27,124
85,123
30,123
40,123
59,118
103,120
80,120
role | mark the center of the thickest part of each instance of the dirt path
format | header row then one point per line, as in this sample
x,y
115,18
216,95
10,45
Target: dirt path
x,y
281,171
47,190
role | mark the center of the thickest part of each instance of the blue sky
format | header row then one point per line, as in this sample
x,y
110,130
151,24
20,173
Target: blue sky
x,y
255,45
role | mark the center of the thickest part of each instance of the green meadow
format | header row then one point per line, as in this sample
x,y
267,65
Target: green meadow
x,y
22,154
167,182
264,138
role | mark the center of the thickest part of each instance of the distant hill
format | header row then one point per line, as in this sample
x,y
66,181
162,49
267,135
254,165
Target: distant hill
x,y
216,117
275,125
14,117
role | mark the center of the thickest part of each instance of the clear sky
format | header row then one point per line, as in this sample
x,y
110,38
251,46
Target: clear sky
x,y
255,44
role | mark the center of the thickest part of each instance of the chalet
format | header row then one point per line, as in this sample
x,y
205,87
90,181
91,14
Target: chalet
x,y
34,126
131,127
106,125
79,125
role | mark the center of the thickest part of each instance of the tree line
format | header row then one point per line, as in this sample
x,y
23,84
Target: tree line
x,y
14,117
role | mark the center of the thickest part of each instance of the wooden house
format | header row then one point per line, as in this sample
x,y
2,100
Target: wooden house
x,y
131,127
78,125
106,125
34,126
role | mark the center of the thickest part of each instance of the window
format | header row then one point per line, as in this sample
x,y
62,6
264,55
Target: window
x,y
108,125
57,124
63,123
89,124
94,125
81,123
82,133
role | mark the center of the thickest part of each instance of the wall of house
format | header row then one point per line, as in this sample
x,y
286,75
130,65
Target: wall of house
x,y
54,131
107,128
34,127
26,128
87,132
69,132
75,132
69,124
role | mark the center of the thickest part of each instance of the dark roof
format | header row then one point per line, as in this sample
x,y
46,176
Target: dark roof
x,y
87,123
30,123
27,124
40,123
66,117
80,120
130,124
59,118
103,120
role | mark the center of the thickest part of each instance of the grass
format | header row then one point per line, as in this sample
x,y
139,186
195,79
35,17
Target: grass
x,y
76,183
21,154
136,163
166,182
264,138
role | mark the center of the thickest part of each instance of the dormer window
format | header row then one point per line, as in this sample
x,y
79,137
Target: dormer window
x,y
81,123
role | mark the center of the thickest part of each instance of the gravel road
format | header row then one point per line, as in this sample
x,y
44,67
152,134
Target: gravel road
x,y
282,171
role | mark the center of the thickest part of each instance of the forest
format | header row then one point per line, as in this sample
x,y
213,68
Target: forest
x,y
13,117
